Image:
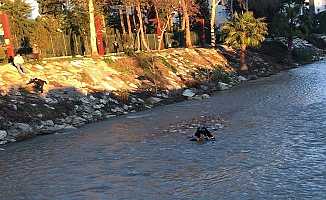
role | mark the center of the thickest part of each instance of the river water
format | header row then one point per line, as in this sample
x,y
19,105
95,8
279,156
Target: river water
x,y
272,147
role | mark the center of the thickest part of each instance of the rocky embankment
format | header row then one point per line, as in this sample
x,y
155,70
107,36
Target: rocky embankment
x,y
81,91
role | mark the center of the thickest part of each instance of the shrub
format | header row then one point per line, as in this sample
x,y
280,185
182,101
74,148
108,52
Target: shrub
x,y
129,51
151,71
218,75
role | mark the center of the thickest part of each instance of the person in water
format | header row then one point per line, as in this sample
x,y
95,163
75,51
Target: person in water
x,y
38,84
202,134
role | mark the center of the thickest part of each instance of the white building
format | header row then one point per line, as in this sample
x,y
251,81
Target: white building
x,y
317,6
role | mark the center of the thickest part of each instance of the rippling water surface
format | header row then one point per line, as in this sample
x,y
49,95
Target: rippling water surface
x,y
274,147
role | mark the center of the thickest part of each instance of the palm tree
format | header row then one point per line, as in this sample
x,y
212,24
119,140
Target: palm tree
x,y
244,31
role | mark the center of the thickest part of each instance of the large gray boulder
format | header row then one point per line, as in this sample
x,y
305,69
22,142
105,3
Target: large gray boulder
x,y
153,100
78,121
3,134
223,86
188,93
241,79
48,123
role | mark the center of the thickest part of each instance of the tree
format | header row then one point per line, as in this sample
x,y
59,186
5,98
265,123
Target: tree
x,y
244,31
51,7
164,12
72,15
138,4
185,4
141,25
287,23
19,13
266,9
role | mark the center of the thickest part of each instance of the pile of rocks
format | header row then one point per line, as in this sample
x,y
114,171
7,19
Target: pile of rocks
x,y
213,123
83,109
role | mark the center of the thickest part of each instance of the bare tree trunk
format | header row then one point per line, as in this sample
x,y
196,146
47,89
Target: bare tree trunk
x,y
129,25
65,45
161,37
183,24
52,46
243,64
213,20
86,45
122,22
165,27
160,41
94,51
160,31
187,23
141,27
77,46
72,44
136,39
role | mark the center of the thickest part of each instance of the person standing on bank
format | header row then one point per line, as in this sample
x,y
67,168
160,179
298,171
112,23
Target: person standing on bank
x,y
18,63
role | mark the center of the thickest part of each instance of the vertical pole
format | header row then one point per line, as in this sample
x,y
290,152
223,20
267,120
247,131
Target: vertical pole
x,y
122,21
99,35
7,34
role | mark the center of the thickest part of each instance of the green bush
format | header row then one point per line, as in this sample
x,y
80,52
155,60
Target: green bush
x,y
219,75
129,51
